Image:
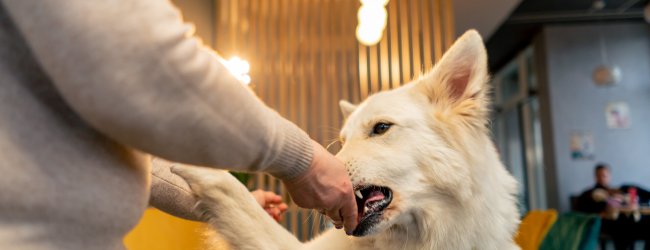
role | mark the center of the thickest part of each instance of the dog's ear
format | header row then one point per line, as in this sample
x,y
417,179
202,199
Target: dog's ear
x,y
346,108
459,80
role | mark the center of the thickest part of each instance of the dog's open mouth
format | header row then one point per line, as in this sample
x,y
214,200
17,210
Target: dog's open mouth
x,y
371,202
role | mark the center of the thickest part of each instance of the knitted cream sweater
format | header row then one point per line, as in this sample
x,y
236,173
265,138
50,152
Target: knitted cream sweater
x,y
89,90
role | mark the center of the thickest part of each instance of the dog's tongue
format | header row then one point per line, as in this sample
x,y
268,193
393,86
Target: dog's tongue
x,y
371,203
374,196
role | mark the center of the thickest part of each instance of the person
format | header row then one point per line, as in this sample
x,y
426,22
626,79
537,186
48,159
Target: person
x,y
597,198
89,90
607,202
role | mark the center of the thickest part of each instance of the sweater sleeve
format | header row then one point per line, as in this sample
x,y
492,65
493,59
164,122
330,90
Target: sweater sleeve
x,y
170,193
132,70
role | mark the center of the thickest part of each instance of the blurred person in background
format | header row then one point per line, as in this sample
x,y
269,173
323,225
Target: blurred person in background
x,y
621,219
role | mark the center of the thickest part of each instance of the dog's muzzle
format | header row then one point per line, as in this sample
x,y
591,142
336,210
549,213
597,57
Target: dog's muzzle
x,y
371,202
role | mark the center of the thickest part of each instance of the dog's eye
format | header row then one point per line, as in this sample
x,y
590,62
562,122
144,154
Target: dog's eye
x,y
380,128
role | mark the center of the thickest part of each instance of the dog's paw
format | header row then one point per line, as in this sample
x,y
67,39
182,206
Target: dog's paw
x,y
227,205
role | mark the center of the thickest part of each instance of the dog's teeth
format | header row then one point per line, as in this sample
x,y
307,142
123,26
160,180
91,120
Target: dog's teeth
x,y
358,193
365,210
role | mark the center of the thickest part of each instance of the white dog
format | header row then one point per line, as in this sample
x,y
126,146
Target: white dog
x,y
425,171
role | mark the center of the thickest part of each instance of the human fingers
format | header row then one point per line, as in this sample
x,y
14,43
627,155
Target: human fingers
x,y
349,215
335,216
274,213
283,207
259,197
271,197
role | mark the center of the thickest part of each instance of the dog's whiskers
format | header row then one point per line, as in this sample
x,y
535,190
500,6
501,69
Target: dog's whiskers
x,y
331,143
309,215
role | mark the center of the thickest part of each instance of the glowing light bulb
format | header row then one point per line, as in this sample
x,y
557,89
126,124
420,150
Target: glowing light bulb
x,y
369,35
246,79
372,18
239,68
372,14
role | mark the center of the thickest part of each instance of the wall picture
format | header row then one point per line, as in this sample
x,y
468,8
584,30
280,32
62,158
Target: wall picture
x,y
618,115
582,145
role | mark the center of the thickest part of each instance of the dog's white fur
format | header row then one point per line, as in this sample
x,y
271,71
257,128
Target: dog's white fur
x,y
450,190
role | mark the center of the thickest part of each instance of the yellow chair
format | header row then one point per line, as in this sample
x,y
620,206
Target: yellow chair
x,y
534,227
160,231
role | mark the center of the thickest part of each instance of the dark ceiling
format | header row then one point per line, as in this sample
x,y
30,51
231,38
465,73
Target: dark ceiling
x,y
531,15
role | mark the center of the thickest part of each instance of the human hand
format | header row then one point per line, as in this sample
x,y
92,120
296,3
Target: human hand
x,y
271,202
326,187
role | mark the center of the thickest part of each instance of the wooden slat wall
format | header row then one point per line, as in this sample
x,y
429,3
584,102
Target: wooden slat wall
x,y
416,35
304,58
